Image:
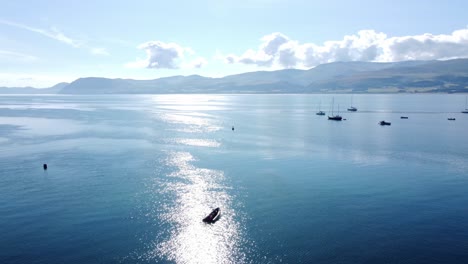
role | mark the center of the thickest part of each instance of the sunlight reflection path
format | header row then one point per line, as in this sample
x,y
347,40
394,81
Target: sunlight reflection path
x,y
189,193
197,191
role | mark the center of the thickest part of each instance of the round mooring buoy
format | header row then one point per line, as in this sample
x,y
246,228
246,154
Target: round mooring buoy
x,y
44,166
232,128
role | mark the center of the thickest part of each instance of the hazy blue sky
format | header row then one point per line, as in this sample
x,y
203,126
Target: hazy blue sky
x,y
44,42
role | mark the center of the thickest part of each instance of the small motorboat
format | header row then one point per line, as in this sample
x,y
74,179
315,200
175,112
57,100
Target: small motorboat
x,y
451,118
404,117
383,123
320,113
213,216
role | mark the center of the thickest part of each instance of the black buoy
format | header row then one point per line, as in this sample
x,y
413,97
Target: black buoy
x,y
44,166
232,128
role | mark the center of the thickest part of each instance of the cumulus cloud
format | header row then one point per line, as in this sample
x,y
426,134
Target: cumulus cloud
x,y
278,50
266,53
161,55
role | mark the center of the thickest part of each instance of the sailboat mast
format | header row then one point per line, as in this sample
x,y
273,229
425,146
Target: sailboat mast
x,y
333,104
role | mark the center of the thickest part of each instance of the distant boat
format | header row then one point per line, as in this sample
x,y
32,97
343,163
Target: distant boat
x,y
466,106
213,216
334,117
451,118
383,123
320,113
352,108
404,117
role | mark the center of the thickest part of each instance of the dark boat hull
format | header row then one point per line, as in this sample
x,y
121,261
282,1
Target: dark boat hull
x,y
213,216
336,118
383,123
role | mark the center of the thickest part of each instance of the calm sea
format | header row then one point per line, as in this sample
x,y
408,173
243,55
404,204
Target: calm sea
x,y
130,178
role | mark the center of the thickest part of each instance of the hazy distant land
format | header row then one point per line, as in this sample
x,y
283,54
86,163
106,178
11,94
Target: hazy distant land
x,y
450,76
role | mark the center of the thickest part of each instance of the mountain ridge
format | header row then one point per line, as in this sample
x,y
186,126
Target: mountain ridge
x,y
449,76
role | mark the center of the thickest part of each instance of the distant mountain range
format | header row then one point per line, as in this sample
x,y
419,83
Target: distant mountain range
x,y
450,76
30,90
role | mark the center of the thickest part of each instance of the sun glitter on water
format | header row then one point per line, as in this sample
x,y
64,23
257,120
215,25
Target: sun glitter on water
x,y
197,191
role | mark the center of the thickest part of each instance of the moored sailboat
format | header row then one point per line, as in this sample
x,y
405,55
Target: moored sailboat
x,y
352,108
335,117
320,112
466,106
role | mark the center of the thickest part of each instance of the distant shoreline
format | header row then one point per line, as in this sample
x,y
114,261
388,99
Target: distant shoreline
x,y
334,93
354,77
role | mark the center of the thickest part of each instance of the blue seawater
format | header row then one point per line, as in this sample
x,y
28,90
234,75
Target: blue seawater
x,y
130,178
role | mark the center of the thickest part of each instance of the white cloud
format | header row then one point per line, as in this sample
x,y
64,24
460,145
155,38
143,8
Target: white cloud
x,y
53,34
161,55
99,51
16,56
279,51
56,34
